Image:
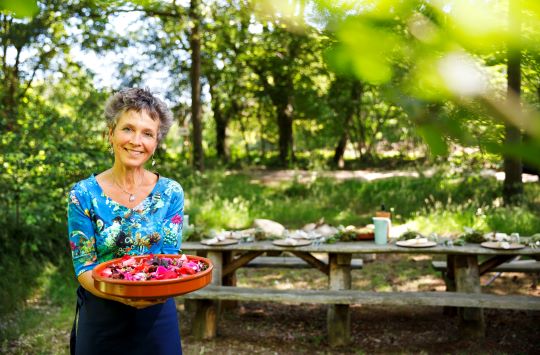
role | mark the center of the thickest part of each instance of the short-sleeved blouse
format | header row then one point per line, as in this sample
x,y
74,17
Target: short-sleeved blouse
x,y
101,229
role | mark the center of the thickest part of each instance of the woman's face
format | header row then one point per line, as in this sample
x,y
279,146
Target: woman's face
x,y
134,139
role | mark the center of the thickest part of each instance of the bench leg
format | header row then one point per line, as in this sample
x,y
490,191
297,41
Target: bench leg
x,y
229,280
450,281
207,311
339,317
205,320
467,277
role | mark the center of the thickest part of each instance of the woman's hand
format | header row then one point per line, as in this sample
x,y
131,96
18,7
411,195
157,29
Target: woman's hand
x,y
86,280
142,302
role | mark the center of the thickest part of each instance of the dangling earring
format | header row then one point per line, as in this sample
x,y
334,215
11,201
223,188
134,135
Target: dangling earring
x,y
153,161
111,150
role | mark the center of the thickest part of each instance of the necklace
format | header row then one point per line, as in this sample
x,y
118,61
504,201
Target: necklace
x,y
131,195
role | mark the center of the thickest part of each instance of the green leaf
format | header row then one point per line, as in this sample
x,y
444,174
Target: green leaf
x,y
20,8
434,138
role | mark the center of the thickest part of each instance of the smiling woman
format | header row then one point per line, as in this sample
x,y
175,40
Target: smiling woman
x,y
126,210
133,140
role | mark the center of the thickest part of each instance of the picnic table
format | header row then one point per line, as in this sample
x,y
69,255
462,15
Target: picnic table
x,y
464,270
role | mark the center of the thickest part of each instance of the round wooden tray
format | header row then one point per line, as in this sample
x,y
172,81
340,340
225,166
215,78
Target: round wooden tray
x,y
298,242
153,288
407,244
497,245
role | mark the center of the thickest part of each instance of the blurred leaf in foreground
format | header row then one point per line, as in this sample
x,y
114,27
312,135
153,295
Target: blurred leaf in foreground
x,y
20,8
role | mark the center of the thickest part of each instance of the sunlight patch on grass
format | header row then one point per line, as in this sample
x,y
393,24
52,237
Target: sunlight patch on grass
x,y
229,214
447,222
423,283
282,278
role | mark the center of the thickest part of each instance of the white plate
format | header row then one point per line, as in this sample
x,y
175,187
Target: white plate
x,y
287,243
221,242
497,245
410,244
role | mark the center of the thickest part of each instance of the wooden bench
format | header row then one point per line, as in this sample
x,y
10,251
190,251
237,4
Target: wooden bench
x,y
292,262
524,266
349,297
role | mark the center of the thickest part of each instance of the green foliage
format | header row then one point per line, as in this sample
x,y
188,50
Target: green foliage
x,y
443,203
513,219
39,168
49,293
435,53
20,8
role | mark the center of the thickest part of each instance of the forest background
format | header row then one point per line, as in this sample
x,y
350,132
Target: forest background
x,y
441,88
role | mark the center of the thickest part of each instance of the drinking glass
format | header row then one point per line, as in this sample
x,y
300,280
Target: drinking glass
x,y
514,238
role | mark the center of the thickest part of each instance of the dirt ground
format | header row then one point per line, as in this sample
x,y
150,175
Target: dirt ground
x,y
265,328
273,328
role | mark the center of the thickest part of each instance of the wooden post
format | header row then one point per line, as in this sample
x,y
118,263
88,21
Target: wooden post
x,y
229,280
206,315
338,316
467,278
450,281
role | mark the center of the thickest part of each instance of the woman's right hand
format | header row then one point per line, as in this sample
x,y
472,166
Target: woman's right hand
x,y
142,302
86,280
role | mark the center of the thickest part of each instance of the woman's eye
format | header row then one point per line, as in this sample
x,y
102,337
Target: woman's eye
x,y
126,129
149,134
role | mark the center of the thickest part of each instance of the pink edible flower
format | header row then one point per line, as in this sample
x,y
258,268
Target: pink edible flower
x,y
139,276
163,273
167,275
128,262
193,265
161,270
106,272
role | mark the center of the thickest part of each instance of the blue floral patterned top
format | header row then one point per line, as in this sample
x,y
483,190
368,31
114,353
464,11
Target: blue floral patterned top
x,y
101,229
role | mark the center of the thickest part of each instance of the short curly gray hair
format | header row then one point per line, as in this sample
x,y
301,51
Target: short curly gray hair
x,y
139,100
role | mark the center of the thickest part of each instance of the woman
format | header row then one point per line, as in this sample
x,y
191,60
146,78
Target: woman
x,y
126,210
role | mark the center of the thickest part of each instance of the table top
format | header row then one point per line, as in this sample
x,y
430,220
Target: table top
x,y
360,247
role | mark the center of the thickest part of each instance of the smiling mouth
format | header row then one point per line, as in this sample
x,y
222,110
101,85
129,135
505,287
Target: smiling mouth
x,y
134,152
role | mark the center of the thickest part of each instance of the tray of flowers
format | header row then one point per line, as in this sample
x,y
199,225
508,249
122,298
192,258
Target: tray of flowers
x,y
153,276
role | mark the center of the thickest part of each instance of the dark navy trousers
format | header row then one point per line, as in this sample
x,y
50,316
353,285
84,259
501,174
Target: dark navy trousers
x,y
109,327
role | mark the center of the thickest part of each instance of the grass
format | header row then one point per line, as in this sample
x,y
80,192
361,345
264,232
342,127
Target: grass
x,y
442,203
43,324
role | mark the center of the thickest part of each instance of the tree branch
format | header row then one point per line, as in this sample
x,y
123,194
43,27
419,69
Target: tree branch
x,y
29,83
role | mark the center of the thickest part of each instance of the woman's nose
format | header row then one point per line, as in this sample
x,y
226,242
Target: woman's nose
x,y
136,138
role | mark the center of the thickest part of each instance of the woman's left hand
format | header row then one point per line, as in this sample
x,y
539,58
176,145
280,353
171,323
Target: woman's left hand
x,y
143,303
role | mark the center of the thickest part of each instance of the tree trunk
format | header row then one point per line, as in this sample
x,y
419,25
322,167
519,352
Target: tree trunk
x,y
339,152
261,134
243,130
221,121
285,129
195,43
9,102
513,184
221,138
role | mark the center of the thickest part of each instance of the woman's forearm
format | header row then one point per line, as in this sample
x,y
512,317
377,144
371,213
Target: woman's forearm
x,y
87,282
